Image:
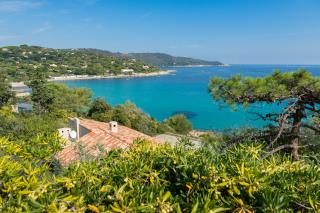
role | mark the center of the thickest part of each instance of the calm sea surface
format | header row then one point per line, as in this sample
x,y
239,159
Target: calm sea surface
x,y
186,91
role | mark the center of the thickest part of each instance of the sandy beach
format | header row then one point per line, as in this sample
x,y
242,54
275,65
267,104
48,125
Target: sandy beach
x,y
88,77
200,65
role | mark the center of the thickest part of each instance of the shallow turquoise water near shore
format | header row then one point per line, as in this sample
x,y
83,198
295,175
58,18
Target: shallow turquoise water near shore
x,y
186,91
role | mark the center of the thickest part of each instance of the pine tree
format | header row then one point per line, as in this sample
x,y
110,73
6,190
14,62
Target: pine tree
x,y
41,95
298,92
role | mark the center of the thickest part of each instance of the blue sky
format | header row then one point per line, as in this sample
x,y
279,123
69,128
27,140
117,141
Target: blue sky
x,y
232,31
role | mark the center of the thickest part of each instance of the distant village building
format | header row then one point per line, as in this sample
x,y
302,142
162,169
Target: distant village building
x,y
145,67
22,107
20,89
95,138
25,107
53,65
127,70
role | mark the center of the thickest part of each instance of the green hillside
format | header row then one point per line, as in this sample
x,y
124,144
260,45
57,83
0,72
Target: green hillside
x,y
158,59
161,59
18,60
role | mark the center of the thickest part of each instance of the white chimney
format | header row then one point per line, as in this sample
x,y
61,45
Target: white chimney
x,y
74,123
64,133
77,120
113,126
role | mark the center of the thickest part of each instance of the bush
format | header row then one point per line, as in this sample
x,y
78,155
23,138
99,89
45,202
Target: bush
x,y
127,114
150,178
179,123
99,107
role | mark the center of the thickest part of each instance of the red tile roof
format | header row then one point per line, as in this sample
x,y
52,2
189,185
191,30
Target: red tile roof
x,y
100,138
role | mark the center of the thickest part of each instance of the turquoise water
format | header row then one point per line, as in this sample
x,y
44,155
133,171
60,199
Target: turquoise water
x,y
186,91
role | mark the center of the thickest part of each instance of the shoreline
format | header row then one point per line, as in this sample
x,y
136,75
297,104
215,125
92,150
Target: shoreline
x,y
88,77
202,65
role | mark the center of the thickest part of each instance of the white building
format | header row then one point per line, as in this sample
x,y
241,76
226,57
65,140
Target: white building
x,y
127,70
20,89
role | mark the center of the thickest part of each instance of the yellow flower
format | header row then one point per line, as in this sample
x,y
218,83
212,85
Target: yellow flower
x,y
189,186
93,208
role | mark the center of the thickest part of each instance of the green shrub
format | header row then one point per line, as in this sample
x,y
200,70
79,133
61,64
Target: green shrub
x,y
159,178
99,106
126,114
179,123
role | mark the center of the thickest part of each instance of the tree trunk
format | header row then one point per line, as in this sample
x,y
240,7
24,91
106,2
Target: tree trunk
x,y
295,148
297,118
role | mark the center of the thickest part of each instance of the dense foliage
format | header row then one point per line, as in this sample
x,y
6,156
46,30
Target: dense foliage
x,y
41,96
149,178
179,123
297,94
26,126
6,93
56,98
70,100
17,60
129,115
161,59
98,108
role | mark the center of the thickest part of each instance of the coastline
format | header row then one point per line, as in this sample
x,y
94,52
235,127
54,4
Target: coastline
x,y
88,77
202,65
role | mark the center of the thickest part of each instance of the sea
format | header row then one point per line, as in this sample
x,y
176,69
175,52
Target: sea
x,y
186,92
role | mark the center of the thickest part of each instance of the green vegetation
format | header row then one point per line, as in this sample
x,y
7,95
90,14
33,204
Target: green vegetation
x,y
129,115
179,123
298,91
5,90
161,59
41,97
56,98
98,108
231,172
17,61
70,100
158,59
150,178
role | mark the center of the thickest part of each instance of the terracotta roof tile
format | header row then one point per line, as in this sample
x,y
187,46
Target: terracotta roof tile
x,y
100,135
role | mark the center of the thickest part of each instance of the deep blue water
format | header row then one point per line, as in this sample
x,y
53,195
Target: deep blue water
x,y
186,91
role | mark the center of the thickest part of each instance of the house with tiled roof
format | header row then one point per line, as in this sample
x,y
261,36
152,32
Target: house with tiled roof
x,y
95,138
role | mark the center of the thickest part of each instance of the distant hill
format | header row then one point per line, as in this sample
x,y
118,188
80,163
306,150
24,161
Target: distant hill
x,y
16,61
162,59
158,59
